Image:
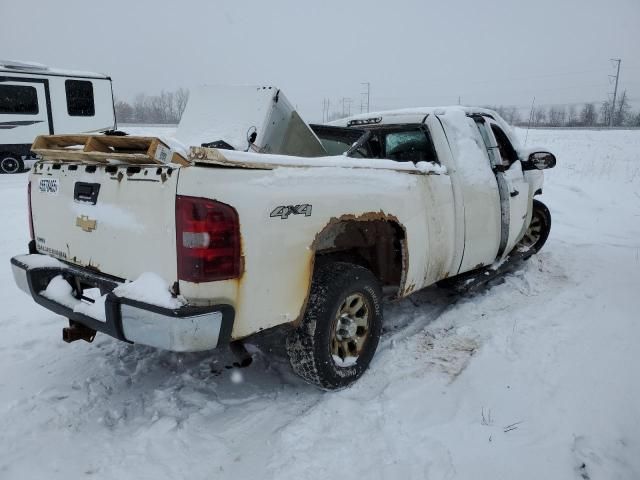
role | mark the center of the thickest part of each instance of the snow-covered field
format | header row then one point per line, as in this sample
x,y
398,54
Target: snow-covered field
x,y
535,378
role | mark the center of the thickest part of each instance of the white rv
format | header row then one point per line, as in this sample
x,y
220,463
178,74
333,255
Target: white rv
x,y
36,100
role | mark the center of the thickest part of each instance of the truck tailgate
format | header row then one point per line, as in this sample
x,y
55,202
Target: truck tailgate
x,y
119,220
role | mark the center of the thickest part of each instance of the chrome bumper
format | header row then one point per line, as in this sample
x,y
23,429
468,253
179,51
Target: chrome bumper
x,y
185,329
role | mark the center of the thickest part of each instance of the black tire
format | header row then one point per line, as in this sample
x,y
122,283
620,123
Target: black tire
x,y
310,347
11,163
538,230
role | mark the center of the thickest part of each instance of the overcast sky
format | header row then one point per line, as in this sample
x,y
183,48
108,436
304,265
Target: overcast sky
x,y
413,53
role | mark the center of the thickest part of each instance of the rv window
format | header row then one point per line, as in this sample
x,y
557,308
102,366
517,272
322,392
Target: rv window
x,y
80,98
18,99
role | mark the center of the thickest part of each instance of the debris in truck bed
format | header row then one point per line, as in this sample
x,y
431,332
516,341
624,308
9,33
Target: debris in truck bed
x,y
104,149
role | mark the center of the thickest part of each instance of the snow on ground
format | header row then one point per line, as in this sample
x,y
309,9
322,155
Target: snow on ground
x,y
536,377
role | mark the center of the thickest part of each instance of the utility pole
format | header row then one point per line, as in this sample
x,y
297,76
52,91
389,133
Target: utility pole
x,y
346,106
615,91
368,94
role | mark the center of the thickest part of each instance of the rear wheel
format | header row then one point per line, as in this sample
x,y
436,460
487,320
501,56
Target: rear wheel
x,y
538,230
341,327
10,163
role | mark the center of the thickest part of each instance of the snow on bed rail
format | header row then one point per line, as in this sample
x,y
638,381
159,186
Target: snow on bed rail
x,y
269,161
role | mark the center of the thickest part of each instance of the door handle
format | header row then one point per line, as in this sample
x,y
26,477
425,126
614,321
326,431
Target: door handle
x,y
515,193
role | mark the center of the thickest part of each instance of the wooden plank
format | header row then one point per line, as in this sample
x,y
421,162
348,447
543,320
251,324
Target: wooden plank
x,y
95,145
127,143
60,141
159,151
79,155
180,160
103,148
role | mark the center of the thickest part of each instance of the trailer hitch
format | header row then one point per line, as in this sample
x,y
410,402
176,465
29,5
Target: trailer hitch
x,y
77,331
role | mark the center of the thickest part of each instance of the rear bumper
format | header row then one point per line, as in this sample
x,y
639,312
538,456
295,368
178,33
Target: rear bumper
x,y
186,329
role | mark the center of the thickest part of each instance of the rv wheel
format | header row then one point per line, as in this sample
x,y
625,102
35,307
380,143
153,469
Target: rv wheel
x,y
10,163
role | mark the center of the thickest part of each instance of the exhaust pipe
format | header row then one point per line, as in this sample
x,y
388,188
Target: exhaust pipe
x,y
77,331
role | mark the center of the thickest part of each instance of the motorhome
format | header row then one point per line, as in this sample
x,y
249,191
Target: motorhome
x,y
36,100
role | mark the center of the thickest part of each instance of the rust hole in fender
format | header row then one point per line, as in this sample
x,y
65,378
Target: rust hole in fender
x,y
374,240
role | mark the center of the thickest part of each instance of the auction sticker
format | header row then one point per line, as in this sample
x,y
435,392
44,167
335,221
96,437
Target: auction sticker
x,y
48,185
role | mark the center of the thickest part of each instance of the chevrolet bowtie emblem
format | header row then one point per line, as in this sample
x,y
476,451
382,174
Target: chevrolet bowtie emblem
x,y
85,223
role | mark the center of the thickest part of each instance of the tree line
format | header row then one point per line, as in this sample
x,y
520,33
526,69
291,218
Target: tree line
x,y
167,107
589,114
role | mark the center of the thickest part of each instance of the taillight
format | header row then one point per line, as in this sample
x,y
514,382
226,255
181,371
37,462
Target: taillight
x,y
30,211
208,240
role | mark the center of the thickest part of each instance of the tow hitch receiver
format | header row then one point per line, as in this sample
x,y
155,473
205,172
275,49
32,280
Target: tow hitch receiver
x,y
77,331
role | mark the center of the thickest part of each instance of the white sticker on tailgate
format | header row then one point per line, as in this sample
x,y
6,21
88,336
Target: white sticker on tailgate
x,y
49,185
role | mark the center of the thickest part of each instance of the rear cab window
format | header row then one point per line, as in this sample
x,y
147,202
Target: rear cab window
x,y
409,144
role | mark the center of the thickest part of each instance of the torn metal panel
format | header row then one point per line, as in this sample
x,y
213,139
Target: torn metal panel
x,y
247,118
375,239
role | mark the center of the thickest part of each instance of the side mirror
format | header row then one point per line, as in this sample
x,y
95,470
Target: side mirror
x,y
541,160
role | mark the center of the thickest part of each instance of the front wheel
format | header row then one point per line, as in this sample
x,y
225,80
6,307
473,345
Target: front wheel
x,y
538,230
339,333
10,163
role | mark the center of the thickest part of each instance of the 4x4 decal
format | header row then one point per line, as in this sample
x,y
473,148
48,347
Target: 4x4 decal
x,y
285,210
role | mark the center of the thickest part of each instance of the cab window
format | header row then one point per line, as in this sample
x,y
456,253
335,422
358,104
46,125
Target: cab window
x,y
409,146
507,152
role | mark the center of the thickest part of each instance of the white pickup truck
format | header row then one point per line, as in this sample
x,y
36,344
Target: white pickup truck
x,y
190,258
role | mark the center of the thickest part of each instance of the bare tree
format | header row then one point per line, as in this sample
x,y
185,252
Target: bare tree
x,y
557,116
605,112
571,116
539,116
588,115
124,112
181,99
621,111
164,108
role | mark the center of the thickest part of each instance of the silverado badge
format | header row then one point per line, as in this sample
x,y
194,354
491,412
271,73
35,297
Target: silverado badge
x,y
85,223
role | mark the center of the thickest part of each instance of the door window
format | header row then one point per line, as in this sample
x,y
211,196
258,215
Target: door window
x,y
18,100
80,98
507,152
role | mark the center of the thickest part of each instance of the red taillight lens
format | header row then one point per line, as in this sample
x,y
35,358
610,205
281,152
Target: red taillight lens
x,y
208,240
30,212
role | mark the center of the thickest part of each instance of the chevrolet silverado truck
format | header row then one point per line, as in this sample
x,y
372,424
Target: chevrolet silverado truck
x,y
193,257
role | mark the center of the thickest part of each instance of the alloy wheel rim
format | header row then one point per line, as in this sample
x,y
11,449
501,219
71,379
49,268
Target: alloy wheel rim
x,y
534,232
350,328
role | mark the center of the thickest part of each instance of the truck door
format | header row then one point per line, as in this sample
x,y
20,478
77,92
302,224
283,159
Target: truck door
x,y
513,188
475,190
23,111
